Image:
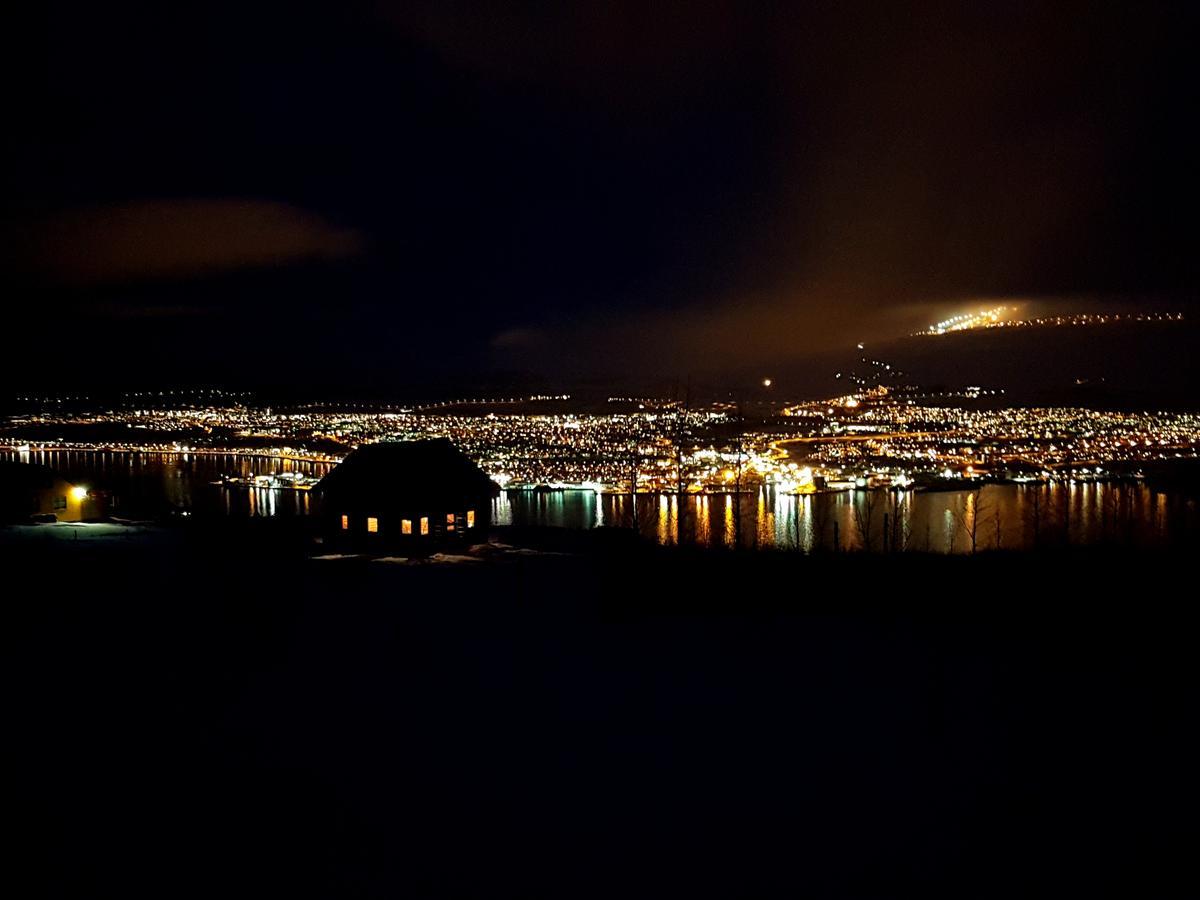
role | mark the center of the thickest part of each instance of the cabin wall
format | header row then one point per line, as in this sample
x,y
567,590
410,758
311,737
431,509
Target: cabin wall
x,y
446,527
58,499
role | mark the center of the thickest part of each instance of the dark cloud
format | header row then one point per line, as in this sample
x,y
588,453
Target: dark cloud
x,y
640,186
918,160
174,239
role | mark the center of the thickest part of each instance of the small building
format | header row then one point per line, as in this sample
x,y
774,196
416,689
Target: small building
x,y
28,490
405,496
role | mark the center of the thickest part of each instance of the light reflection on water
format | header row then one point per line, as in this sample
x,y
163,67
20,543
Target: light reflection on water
x,y
1008,516
153,483
1012,516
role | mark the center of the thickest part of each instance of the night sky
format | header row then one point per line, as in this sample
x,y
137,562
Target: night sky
x,y
385,196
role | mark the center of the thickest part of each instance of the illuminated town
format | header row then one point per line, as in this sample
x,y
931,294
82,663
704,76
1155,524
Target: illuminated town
x,y
875,437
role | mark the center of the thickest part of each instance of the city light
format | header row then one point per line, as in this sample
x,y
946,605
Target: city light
x,y
965,321
995,318
895,437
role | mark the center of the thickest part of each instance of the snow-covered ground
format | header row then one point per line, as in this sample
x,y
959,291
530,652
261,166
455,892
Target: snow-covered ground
x,y
475,554
82,531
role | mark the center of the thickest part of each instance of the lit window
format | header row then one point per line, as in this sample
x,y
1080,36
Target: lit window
x,y
424,525
345,523
372,525
406,526
470,518
449,518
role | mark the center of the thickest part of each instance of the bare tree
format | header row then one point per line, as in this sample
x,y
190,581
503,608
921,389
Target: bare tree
x,y
1110,511
1036,513
680,436
737,480
1128,497
898,533
967,512
1066,511
865,507
821,509
996,520
634,463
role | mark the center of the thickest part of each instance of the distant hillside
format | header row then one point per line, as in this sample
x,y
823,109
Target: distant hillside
x,y
1139,365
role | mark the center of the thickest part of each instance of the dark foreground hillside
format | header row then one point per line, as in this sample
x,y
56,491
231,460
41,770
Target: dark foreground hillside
x,y
194,717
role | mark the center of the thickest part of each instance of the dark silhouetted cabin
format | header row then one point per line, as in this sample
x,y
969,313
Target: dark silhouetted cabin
x,y
28,490
408,496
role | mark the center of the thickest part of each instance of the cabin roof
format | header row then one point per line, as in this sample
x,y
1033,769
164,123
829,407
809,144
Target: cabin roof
x,y
26,476
428,473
